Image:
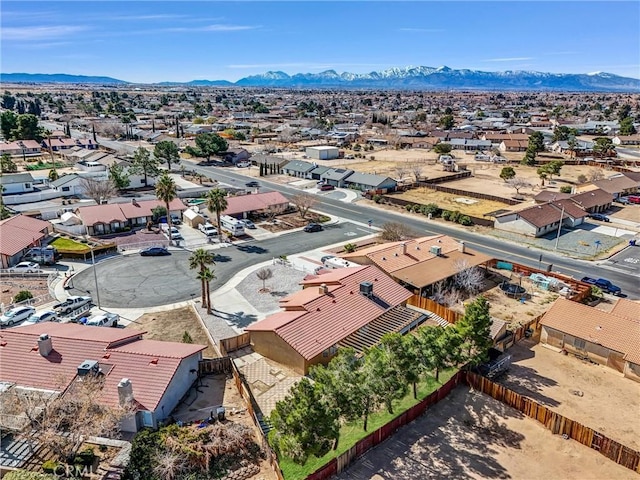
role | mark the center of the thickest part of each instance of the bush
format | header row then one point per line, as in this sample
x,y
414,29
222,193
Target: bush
x,y
377,198
446,215
409,208
85,457
350,247
565,189
465,220
22,295
431,208
50,466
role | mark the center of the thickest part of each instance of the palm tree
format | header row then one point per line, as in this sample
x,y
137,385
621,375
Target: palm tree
x,y
216,202
199,259
166,191
206,276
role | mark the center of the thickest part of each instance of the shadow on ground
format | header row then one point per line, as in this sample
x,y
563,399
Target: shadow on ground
x,y
237,319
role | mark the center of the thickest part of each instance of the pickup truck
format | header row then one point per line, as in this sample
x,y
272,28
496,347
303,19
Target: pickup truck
x,y
71,304
603,284
103,320
208,229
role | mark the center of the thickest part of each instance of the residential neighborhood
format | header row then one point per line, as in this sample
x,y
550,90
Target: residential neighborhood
x,y
304,274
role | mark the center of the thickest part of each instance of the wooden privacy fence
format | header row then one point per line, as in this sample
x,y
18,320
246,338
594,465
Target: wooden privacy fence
x,y
558,424
232,344
466,193
338,464
440,310
214,365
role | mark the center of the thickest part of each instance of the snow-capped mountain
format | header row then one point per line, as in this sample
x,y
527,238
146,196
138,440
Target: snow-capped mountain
x,y
407,78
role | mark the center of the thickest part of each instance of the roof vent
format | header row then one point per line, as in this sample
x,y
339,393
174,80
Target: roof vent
x,y
44,345
366,289
395,254
88,367
435,250
384,258
323,289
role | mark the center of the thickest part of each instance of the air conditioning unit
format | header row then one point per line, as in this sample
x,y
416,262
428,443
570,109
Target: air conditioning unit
x,y
436,250
88,367
366,289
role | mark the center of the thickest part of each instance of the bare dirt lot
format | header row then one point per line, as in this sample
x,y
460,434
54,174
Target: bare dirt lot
x,y
471,435
170,326
609,403
10,285
449,201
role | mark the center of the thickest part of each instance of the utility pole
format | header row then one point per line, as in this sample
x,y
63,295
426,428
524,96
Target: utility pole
x,y
95,276
559,228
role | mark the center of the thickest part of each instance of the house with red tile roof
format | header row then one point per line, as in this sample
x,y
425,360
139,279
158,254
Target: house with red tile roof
x,y
608,338
113,217
419,263
353,305
50,356
18,234
538,220
241,206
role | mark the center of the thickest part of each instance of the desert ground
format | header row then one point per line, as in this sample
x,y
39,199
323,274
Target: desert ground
x,y
10,286
470,435
593,395
170,326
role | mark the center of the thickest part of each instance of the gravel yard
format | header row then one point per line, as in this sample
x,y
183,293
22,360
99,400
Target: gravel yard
x,y
471,435
285,281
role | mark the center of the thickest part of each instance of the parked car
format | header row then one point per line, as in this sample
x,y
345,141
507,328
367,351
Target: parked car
x,y
243,164
42,316
313,227
603,284
154,252
25,267
327,187
208,229
327,257
634,198
72,303
599,216
103,320
249,224
622,200
252,184
175,234
16,315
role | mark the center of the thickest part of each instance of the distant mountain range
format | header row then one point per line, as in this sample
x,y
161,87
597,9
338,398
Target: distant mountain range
x,y
409,78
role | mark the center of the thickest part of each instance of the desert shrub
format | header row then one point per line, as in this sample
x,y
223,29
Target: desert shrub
x,y
431,208
565,189
409,208
465,220
446,215
50,466
85,457
377,198
25,475
22,295
350,247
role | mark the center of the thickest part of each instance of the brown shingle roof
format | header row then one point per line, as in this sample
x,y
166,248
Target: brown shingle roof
x,y
616,184
592,198
540,215
587,323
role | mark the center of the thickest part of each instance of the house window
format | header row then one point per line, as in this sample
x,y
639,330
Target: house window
x,y
579,343
147,419
27,185
65,189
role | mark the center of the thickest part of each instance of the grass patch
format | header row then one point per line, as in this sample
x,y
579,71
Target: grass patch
x,y
66,245
351,433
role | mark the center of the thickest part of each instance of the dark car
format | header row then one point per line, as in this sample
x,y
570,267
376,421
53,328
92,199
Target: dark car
x,y
154,252
599,216
313,227
327,187
252,183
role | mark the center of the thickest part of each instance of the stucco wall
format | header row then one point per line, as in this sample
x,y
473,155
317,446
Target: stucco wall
x,y
178,387
273,347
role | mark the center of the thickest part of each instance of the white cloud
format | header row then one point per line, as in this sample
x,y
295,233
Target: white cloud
x,y
40,33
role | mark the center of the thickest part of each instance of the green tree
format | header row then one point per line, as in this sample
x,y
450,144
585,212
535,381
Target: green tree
x,y
210,144
144,164
443,148
554,167
200,259
446,122
305,422
8,123
207,276
529,158
439,348
119,176
543,173
384,375
216,202
22,295
53,175
475,330
536,142
27,128
624,112
507,173
7,165
404,355
563,133
186,337
603,147
166,191
626,126
167,152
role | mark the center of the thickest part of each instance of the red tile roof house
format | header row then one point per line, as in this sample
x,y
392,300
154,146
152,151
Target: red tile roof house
x,y
113,217
608,338
539,220
241,206
18,234
419,263
347,306
49,356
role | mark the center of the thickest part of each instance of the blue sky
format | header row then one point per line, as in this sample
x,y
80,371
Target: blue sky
x,y
152,41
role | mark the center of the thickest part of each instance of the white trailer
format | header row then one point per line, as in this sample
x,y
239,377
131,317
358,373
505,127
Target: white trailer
x,y
232,225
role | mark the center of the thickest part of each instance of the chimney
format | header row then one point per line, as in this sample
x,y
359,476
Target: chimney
x,y
461,247
125,392
404,248
44,345
323,290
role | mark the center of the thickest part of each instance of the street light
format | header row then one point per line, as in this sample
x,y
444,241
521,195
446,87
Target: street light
x,y
95,276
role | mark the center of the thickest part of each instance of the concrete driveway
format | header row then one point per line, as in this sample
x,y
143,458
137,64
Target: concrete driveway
x,y
133,281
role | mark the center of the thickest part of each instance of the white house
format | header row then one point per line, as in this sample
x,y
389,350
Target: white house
x,y
70,184
13,183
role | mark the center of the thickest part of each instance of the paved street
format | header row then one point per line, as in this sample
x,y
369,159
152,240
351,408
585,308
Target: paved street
x,y
132,281
628,259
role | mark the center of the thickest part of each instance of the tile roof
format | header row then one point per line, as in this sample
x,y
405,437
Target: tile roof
x,y
255,201
120,212
587,323
150,365
27,223
20,232
627,308
329,318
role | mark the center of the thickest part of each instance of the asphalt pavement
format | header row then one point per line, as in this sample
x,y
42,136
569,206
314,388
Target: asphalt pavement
x,y
133,281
